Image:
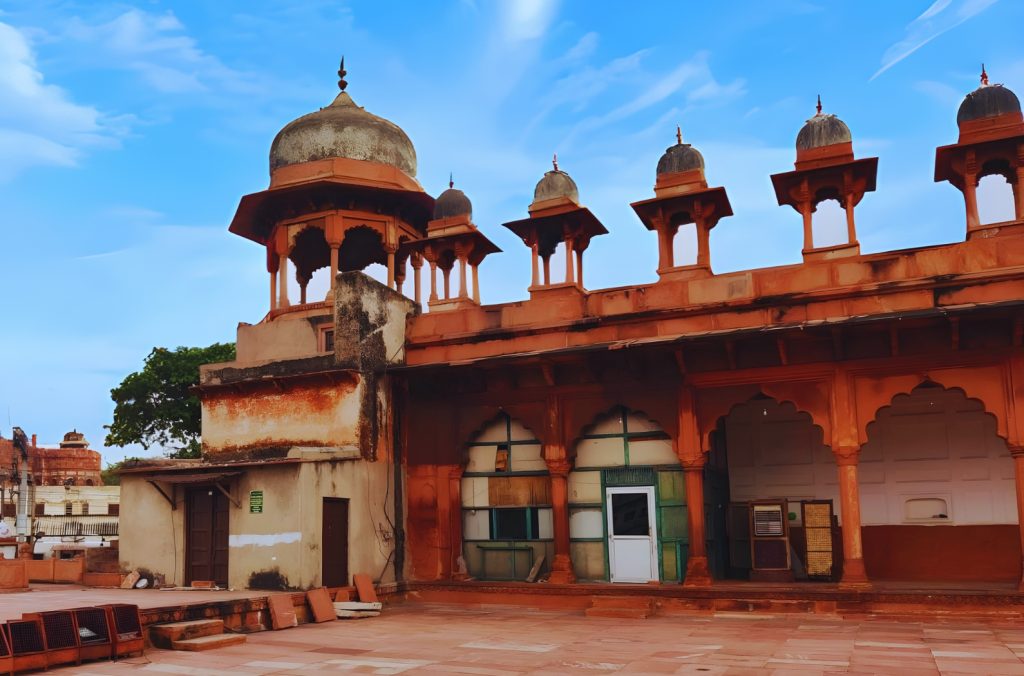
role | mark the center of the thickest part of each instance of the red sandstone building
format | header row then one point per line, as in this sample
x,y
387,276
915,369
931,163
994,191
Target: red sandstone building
x,y
72,463
854,418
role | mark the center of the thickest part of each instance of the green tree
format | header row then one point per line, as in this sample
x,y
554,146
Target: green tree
x,y
155,407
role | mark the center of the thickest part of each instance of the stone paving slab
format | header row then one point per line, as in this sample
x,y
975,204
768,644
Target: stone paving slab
x,y
42,597
415,638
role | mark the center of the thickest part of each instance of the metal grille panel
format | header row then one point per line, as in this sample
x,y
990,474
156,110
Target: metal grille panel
x,y
92,626
629,476
26,637
60,630
126,620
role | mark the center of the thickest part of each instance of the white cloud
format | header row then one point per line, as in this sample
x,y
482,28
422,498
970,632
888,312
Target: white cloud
x,y
157,48
524,20
39,123
940,17
694,72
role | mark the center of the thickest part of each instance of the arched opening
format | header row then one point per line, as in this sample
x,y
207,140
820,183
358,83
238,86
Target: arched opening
x,y
828,224
627,502
767,461
310,253
995,199
937,492
360,247
684,245
506,503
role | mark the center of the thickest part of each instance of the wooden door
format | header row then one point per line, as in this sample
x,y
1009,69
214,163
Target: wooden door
x,y
206,544
334,544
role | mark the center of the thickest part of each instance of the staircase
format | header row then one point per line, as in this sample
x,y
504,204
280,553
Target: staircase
x,y
193,635
635,607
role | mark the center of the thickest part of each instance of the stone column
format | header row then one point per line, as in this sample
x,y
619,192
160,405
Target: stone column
x,y
806,210
446,274
851,228
561,566
458,562
334,264
854,573
703,244
534,255
417,264
282,281
547,270
273,290
476,284
697,572
579,267
664,248
971,197
433,281
1018,473
568,260
463,284
391,266
1018,189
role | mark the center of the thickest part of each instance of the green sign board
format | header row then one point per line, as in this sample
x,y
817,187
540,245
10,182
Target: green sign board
x,y
255,502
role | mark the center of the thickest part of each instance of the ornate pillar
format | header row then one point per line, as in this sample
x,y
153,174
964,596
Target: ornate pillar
x,y
697,572
568,260
446,274
273,290
693,460
458,567
547,270
463,284
579,266
561,566
1018,474
417,263
1018,186
971,193
854,573
433,280
703,243
476,284
534,255
334,263
807,210
391,266
851,228
282,281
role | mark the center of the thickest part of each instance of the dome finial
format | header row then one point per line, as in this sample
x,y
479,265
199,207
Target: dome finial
x,y
819,105
342,83
451,180
679,135
554,161
984,76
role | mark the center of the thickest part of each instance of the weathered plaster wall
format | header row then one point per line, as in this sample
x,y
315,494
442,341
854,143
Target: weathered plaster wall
x,y
287,338
317,414
285,537
152,535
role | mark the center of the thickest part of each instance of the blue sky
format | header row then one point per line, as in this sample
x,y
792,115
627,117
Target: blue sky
x,y
128,132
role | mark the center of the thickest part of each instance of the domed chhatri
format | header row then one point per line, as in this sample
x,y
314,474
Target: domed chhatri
x,y
680,157
988,100
555,183
343,130
824,129
452,203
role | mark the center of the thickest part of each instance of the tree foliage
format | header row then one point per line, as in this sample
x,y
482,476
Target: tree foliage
x,y
155,407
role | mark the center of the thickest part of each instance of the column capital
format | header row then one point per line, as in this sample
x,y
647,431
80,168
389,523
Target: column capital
x,y
846,456
1016,450
694,464
559,468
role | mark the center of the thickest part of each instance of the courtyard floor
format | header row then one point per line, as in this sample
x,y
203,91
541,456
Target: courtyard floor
x,y
418,638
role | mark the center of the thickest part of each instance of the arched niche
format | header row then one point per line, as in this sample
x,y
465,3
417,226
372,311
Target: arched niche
x,y
937,490
507,521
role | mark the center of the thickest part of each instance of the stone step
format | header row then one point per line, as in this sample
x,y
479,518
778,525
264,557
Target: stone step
x,y
208,642
162,635
638,608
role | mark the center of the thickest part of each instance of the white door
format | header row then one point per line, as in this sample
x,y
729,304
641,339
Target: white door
x,y
631,534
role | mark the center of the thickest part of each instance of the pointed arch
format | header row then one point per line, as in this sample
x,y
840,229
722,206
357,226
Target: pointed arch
x,y
621,437
987,384
811,398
